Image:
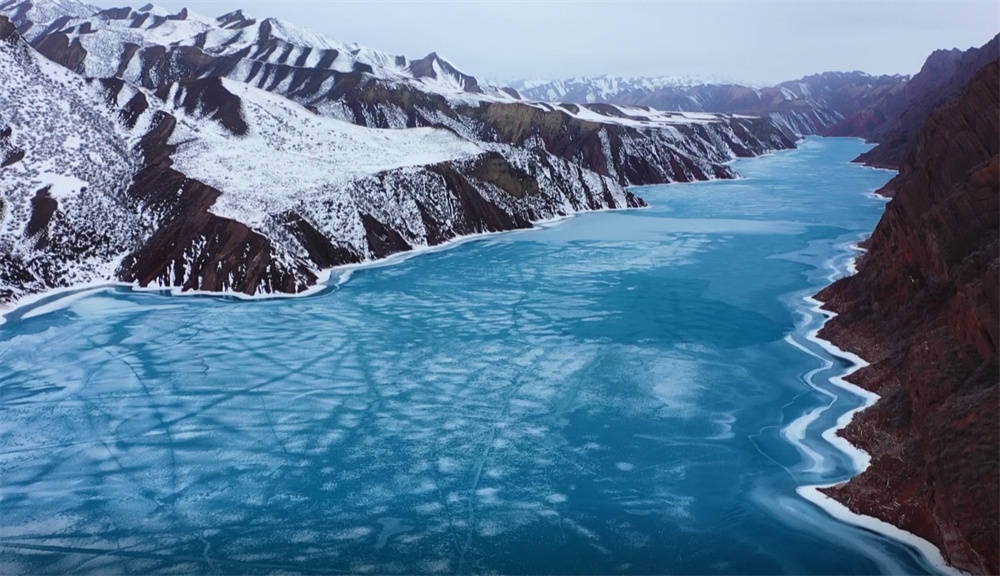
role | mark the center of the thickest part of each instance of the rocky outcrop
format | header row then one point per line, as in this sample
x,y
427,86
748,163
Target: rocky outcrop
x,y
895,120
923,310
631,155
191,248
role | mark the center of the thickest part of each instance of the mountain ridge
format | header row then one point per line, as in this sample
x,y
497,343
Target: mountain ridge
x,y
164,225
382,92
944,74
185,88
809,105
887,109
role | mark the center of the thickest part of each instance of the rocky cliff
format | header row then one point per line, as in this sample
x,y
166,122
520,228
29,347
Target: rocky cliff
x,y
923,310
897,118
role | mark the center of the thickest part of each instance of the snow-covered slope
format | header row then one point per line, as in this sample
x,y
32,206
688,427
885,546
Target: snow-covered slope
x,y
63,153
290,153
150,47
250,155
30,16
217,185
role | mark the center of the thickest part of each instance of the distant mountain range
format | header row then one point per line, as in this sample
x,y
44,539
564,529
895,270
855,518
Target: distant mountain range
x,y
810,105
884,109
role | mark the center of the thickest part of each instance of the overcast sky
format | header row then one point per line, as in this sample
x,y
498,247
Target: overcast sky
x,y
751,41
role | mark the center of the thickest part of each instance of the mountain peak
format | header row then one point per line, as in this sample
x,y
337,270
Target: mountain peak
x,y
234,19
234,15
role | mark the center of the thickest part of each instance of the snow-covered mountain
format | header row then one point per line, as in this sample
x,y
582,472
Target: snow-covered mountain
x,y
29,15
251,155
810,105
302,192
150,46
66,160
604,89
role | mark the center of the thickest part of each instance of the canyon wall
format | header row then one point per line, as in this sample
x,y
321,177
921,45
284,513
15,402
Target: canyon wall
x,y
923,310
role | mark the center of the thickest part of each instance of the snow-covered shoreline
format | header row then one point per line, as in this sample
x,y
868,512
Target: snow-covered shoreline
x,y
860,459
55,299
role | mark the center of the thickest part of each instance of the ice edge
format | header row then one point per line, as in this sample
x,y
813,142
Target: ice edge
x,y
56,299
861,459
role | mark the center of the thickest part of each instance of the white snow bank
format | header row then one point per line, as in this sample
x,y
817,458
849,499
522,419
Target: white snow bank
x,y
291,152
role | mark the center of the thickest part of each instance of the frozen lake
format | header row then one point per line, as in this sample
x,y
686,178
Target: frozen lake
x,y
623,392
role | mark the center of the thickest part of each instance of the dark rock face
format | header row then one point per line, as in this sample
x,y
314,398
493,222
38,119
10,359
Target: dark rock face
x,y
59,49
924,310
9,154
43,206
191,247
897,119
209,98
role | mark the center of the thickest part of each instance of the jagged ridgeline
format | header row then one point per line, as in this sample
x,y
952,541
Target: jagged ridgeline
x,y
823,104
235,153
887,109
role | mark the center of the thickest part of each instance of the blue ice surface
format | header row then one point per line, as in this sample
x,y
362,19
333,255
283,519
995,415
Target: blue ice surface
x,y
603,396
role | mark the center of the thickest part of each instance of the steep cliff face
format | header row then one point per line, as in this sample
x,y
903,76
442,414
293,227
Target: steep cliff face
x,y
923,309
898,118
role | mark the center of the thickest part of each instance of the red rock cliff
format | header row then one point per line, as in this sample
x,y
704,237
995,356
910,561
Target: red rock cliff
x,y
923,309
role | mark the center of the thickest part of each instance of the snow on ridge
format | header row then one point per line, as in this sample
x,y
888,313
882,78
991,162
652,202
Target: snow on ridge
x,y
601,88
631,116
291,153
152,25
43,11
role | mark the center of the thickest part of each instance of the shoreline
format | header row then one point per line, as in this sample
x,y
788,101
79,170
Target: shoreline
x,y
331,279
859,458
862,459
324,275
55,299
